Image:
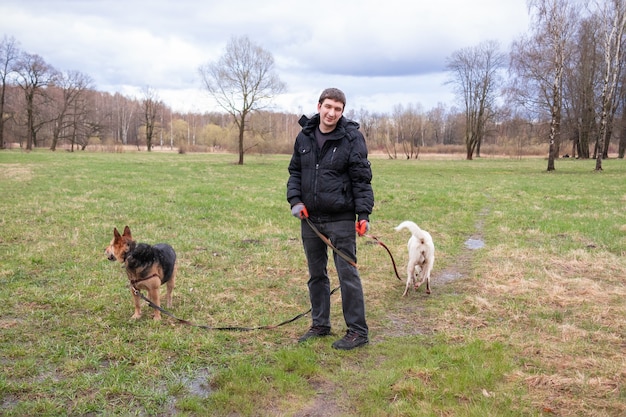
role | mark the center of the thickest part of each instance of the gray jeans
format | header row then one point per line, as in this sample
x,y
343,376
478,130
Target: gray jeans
x,y
342,234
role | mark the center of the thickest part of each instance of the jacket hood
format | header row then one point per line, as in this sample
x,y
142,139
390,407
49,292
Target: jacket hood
x,y
309,124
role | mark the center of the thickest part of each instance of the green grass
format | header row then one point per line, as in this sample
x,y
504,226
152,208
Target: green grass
x,y
534,325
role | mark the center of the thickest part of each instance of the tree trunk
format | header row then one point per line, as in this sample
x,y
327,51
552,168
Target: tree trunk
x,y
607,141
555,131
622,137
241,131
622,145
56,132
2,99
30,138
555,122
468,147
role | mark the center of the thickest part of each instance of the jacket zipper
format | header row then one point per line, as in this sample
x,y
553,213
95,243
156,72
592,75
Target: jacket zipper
x,y
317,165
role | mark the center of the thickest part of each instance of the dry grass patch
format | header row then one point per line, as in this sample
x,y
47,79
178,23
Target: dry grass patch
x,y
16,172
566,318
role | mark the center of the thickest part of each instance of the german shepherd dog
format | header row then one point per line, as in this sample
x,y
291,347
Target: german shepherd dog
x,y
148,267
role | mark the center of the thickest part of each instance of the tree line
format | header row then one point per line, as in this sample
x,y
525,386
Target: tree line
x,y
561,88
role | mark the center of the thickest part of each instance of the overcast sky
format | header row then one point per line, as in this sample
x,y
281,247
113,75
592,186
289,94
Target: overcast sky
x,y
381,53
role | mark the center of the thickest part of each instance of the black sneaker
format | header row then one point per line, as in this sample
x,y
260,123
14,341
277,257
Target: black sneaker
x,y
350,341
314,331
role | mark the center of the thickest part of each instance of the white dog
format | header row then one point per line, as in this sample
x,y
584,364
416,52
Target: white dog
x,y
421,256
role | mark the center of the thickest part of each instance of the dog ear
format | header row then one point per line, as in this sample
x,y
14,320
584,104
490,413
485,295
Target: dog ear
x,y
116,234
127,231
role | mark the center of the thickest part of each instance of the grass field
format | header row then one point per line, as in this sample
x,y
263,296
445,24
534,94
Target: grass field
x,y
531,324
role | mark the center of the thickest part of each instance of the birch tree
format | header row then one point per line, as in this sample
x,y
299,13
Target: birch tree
x,y
540,61
9,54
554,25
124,115
613,16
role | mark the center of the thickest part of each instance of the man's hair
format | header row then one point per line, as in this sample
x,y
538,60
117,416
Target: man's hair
x,y
333,94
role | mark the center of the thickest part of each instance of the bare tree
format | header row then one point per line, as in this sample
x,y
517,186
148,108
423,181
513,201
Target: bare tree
x,y
410,129
242,82
474,73
123,113
389,139
9,54
72,87
366,121
580,85
436,120
151,106
34,76
613,16
555,23
100,117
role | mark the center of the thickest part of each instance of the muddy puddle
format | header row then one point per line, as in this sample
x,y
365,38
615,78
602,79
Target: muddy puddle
x,y
474,244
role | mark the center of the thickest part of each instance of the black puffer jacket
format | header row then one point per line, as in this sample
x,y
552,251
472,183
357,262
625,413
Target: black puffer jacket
x,y
334,182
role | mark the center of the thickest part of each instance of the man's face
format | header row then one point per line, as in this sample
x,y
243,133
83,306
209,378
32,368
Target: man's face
x,y
330,112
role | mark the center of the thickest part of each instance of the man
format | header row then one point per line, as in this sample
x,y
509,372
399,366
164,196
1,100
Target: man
x,y
330,186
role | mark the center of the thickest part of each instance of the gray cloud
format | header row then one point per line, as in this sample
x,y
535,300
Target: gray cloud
x,y
377,51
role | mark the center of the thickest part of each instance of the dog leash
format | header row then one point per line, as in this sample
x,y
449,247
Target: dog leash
x,y
393,261
228,328
345,256
291,320
329,243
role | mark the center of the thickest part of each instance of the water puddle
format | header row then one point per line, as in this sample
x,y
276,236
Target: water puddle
x,y
199,384
474,244
447,276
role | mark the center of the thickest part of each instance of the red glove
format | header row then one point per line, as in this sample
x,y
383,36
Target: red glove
x,y
299,211
362,227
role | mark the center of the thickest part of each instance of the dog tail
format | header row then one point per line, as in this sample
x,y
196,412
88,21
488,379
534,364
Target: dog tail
x,y
410,226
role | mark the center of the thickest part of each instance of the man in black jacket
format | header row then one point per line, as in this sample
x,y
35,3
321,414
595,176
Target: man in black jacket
x,y
330,186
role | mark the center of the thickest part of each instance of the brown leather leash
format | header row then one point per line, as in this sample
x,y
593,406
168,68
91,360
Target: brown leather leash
x,y
345,256
393,261
330,244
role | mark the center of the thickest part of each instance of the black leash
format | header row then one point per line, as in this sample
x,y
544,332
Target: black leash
x,y
291,320
228,328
